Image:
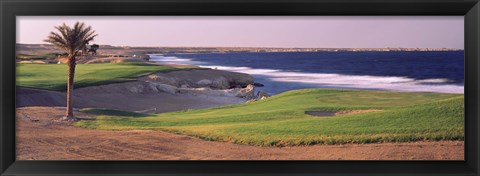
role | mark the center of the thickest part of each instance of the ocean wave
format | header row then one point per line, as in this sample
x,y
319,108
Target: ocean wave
x,y
393,83
351,81
170,59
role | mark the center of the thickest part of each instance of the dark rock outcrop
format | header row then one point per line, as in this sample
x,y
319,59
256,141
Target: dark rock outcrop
x,y
202,78
256,84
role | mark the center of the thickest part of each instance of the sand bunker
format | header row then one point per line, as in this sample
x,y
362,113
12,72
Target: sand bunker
x,y
333,113
320,113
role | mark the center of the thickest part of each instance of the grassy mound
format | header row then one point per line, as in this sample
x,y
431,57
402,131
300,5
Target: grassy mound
x,y
281,119
53,76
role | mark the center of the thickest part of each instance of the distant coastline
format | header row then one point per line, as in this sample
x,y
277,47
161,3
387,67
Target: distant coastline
x,y
160,49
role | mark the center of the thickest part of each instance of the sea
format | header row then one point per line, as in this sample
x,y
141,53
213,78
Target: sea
x,y
409,71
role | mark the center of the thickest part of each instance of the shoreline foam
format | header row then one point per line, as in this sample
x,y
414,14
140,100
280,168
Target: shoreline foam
x,y
327,80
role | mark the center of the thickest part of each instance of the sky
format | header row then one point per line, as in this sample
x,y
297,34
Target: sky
x,y
256,31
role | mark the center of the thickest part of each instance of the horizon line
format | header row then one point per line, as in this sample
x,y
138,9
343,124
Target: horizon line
x,y
265,47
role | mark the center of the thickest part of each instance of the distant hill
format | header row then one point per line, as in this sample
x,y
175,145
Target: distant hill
x,y
36,49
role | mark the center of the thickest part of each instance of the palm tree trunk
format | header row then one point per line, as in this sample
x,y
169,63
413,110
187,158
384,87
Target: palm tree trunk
x,y
71,75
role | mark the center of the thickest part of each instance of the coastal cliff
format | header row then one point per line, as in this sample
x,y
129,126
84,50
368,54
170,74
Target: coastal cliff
x,y
202,78
199,82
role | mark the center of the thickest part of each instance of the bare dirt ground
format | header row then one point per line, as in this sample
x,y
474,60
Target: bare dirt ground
x,y
41,137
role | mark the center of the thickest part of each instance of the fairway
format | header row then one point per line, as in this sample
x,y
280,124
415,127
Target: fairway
x,y
281,119
54,76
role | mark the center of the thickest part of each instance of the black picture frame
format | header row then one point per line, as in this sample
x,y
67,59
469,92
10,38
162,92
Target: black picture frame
x,y
9,9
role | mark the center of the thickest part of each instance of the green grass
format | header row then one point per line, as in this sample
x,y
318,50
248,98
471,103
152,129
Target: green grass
x,y
38,56
54,76
281,121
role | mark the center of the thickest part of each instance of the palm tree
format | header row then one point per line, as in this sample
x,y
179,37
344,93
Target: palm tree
x,y
71,40
93,49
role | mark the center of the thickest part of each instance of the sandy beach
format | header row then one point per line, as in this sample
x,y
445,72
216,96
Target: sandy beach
x,y
122,100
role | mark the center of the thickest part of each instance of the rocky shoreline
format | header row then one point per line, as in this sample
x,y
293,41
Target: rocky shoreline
x,y
208,82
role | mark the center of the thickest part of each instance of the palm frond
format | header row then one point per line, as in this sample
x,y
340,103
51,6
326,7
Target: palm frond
x,y
71,39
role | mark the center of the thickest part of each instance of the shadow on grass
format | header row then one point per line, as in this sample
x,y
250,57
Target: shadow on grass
x,y
112,112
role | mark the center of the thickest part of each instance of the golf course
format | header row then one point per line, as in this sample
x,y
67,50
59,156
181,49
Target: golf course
x,y
52,76
239,88
281,120
294,118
